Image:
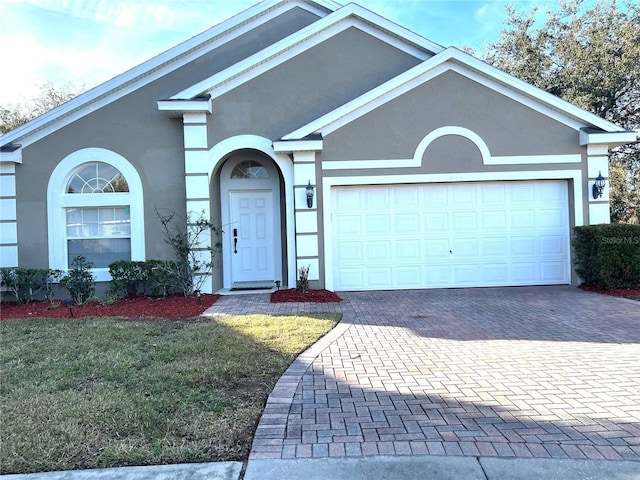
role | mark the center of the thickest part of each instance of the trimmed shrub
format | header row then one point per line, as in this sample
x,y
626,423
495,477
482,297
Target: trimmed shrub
x,y
127,277
156,278
608,256
26,283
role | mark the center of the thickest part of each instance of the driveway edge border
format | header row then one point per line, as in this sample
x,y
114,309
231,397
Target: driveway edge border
x,y
267,441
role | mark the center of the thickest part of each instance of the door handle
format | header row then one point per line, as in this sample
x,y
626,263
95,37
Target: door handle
x,y
235,240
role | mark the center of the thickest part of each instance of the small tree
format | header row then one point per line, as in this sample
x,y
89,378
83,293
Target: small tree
x,y
79,280
191,242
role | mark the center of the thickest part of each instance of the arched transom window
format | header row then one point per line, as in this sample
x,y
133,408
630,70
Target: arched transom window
x,y
97,177
95,207
249,169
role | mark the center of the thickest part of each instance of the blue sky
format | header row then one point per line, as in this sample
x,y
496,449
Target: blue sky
x,y
90,41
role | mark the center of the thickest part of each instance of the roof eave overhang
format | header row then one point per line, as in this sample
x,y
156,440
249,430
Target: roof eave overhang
x,y
302,145
176,107
11,153
612,139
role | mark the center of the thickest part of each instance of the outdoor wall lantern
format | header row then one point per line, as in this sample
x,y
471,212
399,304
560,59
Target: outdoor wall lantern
x,y
598,186
310,194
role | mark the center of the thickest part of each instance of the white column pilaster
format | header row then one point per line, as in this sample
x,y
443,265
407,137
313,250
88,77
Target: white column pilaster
x,y
198,202
598,163
8,216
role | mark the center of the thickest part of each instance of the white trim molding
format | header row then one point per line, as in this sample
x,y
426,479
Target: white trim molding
x,y
330,182
298,146
58,200
611,139
416,161
8,216
13,156
186,106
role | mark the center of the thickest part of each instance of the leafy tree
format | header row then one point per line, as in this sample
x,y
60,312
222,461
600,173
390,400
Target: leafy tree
x,y
50,96
591,58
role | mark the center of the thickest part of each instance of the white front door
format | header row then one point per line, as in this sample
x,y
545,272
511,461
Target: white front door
x,y
252,236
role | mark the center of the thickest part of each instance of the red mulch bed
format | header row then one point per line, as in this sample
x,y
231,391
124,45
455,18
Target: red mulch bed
x,y
632,293
313,296
174,306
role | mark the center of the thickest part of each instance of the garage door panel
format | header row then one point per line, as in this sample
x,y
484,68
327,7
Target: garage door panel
x,y
346,225
438,275
464,221
523,246
549,218
436,223
407,197
408,250
493,220
522,193
378,251
552,192
379,277
552,245
493,195
495,274
495,247
523,219
450,235
349,252
435,197
437,248
407,224
522,273
377,224
552,271
346,199
377,198
409,276
466,247
463,195
466,275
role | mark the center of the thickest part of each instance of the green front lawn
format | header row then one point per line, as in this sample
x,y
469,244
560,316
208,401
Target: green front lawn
x,y
105,392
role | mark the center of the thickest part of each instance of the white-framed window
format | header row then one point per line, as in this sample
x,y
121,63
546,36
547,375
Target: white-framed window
x,y
95,209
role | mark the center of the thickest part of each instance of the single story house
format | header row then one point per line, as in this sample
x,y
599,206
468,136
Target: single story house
x,y
317,135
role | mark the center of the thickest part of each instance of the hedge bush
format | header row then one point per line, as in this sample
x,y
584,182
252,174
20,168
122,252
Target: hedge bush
x,y
26,283
608,256
156,278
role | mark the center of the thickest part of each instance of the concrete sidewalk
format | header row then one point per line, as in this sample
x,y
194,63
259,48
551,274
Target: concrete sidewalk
x,y
425,467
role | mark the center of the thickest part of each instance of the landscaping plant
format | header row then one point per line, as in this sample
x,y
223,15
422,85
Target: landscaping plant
x,y
26,283
191,242
79,281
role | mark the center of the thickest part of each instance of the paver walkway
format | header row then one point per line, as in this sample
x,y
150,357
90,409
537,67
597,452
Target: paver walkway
x,y
506,372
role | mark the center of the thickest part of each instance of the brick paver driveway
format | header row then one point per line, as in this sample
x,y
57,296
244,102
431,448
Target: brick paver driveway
x,y
509,372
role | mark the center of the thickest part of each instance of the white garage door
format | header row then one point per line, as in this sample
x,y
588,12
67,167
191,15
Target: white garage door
x,y
450,235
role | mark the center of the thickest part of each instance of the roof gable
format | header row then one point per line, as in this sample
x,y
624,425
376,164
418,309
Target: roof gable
x,y
346,17
469,66
158,66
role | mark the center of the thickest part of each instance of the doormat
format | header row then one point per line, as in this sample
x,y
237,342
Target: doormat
x,y
251,286
236,289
